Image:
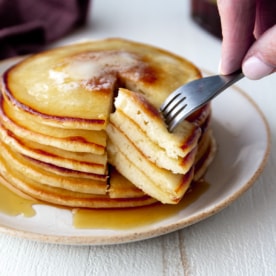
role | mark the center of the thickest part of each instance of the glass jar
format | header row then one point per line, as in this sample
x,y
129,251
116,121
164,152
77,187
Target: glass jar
x,y
205,13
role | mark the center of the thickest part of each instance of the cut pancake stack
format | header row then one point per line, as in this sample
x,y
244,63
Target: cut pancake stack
x,y
62,142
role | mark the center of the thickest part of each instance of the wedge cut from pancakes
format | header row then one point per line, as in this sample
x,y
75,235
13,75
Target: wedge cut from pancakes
x,y
140,147
64,141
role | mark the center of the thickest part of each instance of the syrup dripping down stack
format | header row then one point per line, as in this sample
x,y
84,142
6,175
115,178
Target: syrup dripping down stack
x,y
63,141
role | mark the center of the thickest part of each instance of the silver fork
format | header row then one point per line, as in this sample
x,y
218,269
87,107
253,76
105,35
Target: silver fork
x,y
193,95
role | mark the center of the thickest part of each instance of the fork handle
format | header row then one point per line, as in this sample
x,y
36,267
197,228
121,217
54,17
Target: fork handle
x,y
231,78
219,83
216,84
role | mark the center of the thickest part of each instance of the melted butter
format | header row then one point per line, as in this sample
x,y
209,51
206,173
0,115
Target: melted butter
x,y
134,217
97,64
14,205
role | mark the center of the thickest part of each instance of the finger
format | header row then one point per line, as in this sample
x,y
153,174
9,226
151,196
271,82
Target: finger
x,y
237,20
260,60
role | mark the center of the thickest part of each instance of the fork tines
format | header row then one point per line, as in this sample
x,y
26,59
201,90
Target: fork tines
x,y
173,108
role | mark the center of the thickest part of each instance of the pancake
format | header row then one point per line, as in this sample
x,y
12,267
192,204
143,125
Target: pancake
x,y
206,153
33,172
151,150
69,139
81,161
167,190
58,196
65,141
73,86
148,124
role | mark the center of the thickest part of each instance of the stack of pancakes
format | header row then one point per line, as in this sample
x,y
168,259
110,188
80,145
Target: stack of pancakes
x,y
64,142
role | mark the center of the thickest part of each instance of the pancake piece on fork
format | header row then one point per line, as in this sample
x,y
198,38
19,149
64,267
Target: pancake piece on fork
x,y
140,144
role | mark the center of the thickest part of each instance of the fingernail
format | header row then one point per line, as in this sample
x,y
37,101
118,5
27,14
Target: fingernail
x,y
254,68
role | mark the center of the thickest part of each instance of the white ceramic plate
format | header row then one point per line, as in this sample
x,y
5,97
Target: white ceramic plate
x,y
243,148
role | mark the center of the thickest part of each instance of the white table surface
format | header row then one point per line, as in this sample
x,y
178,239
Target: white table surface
x,y
240,240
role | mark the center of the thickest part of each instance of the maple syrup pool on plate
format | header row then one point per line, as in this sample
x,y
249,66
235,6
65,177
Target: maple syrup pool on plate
x,y
14,205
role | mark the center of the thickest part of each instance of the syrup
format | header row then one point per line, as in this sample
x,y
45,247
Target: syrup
x,y
13,205
134,217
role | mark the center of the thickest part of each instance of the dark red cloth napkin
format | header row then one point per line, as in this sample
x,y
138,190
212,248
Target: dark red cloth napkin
x,y
26,26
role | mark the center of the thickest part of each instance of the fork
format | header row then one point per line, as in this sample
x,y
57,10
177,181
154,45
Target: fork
x,y
193,95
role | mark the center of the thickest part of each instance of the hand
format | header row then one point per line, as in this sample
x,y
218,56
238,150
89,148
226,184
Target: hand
x,y
249,37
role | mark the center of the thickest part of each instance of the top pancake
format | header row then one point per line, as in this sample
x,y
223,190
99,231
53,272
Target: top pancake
x,y
73,86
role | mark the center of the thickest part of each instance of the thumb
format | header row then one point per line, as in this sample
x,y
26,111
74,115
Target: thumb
x,y
260,59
